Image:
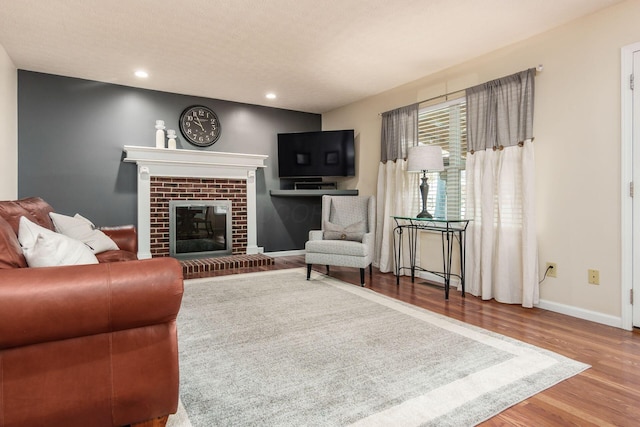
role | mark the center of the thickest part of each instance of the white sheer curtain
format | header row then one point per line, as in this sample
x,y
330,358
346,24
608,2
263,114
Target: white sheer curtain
x,y
395,186
395,197
501,261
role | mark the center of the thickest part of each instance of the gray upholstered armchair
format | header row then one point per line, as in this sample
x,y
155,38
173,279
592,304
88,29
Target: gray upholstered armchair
x,y
347,236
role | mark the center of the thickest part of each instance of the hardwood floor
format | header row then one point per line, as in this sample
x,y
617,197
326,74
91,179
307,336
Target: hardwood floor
x,y
607,394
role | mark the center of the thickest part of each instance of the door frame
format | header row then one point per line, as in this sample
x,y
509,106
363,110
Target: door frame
x,y
626,163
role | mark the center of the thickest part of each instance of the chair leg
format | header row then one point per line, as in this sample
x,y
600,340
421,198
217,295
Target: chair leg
x,y
308,271
362,277
370,270
327,269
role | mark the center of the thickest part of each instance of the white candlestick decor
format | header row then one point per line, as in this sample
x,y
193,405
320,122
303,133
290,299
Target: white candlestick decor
x,y
171,134
160,134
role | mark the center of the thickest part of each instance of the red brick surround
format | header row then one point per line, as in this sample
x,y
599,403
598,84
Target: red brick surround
x,y
207,267
165,189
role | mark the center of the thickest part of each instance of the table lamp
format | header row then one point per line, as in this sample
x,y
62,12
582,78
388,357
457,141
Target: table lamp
x,y
423,158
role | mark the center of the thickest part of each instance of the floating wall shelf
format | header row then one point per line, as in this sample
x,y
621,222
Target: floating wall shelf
x,y
312,193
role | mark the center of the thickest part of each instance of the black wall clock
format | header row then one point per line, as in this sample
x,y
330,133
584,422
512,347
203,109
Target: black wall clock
x,y
200,125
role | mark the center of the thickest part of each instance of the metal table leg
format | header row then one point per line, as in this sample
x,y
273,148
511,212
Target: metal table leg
x,y
397,253
447,256
413,248
462,236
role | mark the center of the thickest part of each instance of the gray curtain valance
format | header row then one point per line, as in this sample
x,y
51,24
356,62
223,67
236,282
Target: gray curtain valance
x,y
399,132
500,112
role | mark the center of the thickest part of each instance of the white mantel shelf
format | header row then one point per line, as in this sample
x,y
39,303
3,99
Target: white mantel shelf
x,y
205,164
154,161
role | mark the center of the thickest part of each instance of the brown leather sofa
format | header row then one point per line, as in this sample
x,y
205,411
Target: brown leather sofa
x,y
87,345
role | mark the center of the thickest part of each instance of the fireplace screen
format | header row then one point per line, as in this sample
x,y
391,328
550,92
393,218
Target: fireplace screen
x,y
199,229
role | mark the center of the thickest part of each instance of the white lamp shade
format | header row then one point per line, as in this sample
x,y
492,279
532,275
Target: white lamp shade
x,y
425,158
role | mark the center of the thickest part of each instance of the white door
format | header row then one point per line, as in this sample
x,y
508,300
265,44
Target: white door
x,y
636,180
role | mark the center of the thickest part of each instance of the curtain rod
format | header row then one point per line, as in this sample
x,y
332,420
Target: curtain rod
x,y
539,69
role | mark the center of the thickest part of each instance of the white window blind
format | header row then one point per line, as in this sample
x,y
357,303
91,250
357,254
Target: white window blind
x,y
445,125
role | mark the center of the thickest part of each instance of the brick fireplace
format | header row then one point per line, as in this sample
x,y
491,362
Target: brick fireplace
x,y
165,189
165,175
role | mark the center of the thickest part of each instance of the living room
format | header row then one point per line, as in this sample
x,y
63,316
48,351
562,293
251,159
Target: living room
x,y
570,195
579,145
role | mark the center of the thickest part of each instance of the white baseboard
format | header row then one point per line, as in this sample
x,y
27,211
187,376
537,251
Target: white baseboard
x,y
285,253
581,313
437,279
569,310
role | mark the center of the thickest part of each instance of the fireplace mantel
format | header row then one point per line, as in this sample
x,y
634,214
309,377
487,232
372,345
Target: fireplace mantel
x,y
153,161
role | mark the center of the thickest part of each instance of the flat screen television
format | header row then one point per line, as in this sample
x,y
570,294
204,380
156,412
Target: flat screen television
x,y
316,154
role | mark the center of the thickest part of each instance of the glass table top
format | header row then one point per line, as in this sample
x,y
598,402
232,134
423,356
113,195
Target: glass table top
x,y
435,219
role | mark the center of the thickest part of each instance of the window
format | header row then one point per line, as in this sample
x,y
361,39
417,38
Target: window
x,y
445,125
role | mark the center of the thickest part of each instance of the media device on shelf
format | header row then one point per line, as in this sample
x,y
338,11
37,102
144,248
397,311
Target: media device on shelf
x,y
316,154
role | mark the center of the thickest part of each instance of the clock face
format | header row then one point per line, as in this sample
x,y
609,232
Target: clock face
x,y
200,126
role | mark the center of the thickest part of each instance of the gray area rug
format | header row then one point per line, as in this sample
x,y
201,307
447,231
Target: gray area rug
x,y
274,349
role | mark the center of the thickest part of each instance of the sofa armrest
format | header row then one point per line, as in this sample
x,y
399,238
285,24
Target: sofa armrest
x,y
368,239
315,234
124,236
54,303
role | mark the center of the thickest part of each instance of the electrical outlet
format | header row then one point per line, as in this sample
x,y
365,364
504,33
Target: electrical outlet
x,y
551,269
594,277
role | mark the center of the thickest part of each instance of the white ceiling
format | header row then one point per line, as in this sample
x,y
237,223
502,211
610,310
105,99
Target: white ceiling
x,y
316,55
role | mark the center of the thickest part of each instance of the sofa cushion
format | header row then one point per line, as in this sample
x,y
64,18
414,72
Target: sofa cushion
x,y
46,248
337,248
349,210
10,251
33,208
82,229
125,237
116,256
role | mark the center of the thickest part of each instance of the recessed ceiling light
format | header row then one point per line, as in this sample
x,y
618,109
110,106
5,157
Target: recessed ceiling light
x,y
271,96
141,74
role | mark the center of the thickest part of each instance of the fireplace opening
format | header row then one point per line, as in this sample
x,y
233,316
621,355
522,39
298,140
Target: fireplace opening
x,y
199,228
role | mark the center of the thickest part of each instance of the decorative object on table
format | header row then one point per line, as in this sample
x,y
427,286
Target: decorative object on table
x,y
423,158
160,133
171,135
200,126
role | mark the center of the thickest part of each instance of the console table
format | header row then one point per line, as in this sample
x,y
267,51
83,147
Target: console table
x,y
451,229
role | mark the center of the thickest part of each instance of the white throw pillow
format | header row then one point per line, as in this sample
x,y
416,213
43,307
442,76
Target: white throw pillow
x,y
81,218
82,229
46,248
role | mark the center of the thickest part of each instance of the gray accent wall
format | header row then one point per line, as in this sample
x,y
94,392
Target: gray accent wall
x,y
71,133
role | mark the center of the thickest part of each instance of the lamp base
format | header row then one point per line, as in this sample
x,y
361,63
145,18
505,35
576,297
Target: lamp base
x,y
424,191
